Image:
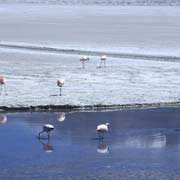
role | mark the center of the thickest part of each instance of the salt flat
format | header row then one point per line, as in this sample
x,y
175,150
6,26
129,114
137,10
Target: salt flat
x,y
32,75
32,80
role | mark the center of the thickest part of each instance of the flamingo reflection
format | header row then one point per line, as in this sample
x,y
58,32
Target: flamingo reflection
x,y
61,116
3,118
102,148
47,147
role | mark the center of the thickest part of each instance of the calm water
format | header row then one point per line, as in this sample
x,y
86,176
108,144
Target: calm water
x,y
141,144
97,2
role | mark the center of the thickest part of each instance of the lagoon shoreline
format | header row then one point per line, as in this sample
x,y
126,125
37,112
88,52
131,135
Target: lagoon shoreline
x,y
98,107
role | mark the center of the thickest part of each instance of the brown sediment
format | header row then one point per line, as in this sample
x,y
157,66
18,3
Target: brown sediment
x,y
88,107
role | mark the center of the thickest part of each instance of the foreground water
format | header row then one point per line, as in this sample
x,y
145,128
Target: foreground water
x,y
141,144
97,2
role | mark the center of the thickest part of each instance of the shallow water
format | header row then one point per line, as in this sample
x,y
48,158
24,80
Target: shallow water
x,y
96,2
141,144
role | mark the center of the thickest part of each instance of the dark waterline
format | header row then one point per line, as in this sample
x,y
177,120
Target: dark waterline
x,y
141,144
168,58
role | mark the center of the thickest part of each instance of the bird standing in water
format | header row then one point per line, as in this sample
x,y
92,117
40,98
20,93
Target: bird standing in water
x,y
101,129
46,128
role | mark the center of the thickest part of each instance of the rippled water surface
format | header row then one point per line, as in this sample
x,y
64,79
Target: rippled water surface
x,y
141,144
97,2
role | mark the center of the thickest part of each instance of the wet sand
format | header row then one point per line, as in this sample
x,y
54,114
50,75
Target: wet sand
x,y
141,144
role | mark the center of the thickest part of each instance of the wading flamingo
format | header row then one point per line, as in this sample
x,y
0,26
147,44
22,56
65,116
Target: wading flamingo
x,y
3,84
101,129
83,60
46,128
60,84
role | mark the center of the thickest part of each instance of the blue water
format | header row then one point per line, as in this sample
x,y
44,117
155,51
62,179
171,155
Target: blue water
x,y
97,2
141,144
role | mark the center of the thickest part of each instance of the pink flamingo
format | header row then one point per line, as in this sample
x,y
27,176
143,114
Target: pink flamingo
x,y
3,84
83,60
60,84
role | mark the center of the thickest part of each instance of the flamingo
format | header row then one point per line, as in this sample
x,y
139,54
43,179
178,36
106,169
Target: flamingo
x,y
103,59
46,128
3,84
83,60
101,129
60,84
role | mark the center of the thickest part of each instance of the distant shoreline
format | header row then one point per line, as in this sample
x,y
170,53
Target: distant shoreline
x,y
46,49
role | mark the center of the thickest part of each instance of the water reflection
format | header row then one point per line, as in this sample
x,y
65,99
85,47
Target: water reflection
x,y
61,116
155,140
103,148
130,142
79,127
47,147
3,118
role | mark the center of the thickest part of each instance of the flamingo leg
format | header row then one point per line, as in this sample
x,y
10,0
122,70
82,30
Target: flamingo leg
x,y
100,64
99,135
83,65
103,135
40,134
5,89
1,90
48,135
60,92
